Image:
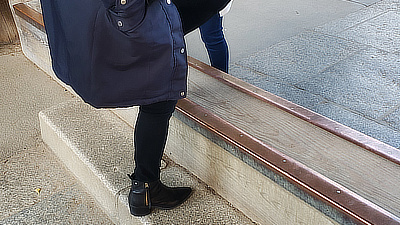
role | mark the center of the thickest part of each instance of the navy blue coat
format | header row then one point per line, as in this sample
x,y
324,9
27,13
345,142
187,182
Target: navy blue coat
x,y
121,53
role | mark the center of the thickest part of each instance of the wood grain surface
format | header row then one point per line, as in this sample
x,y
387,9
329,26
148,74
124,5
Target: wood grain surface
x,y
357,169
8,30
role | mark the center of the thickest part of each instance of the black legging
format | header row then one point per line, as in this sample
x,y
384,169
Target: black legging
x,y
150,136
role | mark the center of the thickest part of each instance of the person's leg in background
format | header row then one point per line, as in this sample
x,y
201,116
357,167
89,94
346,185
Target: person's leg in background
x,y
213,37
150,136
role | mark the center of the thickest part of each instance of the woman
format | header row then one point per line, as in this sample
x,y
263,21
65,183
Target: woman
x,y
213,37
121,53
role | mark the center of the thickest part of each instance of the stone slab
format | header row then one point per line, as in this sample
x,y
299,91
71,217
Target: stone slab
x,y
382,32
334,27
279,87
369,126
23,173
366,2
364,83
300,56
394,119
203,207
69,206
254,25
97,147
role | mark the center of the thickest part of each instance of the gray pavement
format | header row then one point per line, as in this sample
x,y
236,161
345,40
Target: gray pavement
x,y
35,186
337,58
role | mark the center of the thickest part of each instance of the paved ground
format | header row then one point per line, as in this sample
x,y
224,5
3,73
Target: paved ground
x,y
337,58
35,187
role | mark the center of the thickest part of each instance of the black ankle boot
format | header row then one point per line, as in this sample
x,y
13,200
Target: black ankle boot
x,y
139,198
144,196
164,197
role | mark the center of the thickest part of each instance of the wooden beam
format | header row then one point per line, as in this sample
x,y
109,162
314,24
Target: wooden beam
x,y
8,30
32,16
313,158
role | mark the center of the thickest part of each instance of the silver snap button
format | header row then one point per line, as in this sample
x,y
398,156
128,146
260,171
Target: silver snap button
x,y
123,2
182,94
119,23
168,2
182,50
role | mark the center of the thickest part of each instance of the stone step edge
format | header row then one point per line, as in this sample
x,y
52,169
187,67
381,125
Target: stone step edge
x,y
107,182
84,172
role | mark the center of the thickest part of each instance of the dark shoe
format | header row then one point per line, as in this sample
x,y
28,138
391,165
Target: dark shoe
x,y
139,199
164,197
143,196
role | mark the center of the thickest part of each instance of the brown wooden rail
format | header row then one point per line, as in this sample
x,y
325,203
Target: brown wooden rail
x,y
316,185
32,16
8,30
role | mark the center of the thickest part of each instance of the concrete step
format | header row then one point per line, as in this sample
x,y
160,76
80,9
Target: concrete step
x,y
98,148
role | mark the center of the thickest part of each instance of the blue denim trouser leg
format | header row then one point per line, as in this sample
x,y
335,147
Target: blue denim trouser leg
x,y
214,40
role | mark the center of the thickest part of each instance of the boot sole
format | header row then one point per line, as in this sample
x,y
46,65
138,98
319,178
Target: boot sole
x,y
139,211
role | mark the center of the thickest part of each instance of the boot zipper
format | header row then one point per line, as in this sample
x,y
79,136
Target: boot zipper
x,y
146,186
